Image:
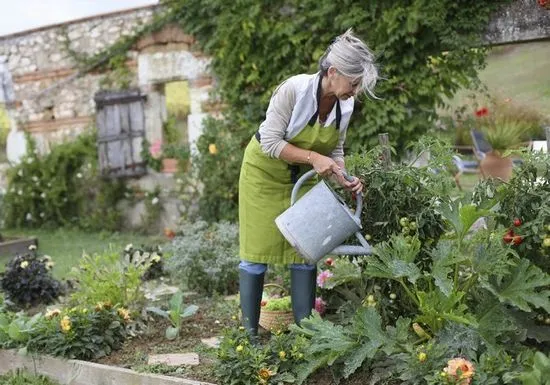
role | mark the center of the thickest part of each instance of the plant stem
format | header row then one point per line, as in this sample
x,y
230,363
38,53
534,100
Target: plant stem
x,y
469,283
409,293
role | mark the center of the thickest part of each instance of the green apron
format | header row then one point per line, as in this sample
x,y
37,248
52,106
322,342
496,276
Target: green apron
x,y
265,186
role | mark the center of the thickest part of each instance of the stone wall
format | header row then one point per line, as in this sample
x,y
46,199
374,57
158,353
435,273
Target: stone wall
x,y
53,102
49,98
520,21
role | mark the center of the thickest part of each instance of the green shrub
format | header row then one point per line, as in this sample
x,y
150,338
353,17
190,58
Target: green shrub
x,y
106,278
205,257
28,281
62,188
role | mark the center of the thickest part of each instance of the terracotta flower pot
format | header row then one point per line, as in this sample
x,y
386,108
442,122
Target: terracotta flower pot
x,y
169,165
495,166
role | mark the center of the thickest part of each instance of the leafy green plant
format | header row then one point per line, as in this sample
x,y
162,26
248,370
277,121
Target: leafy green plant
x,y
106,278
539,373
82,332
28,281
176,314
242,363
204,256
62,188
277,304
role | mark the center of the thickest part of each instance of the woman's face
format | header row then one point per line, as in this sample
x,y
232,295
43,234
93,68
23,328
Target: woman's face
x,y
342,86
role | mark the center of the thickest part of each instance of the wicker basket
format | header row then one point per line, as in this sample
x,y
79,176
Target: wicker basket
x,y
276,320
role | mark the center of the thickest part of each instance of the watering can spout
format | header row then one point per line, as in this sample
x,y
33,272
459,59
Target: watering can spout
x,y
364,249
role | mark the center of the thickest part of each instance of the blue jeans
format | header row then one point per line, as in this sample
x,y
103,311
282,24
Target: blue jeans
x,y
261,268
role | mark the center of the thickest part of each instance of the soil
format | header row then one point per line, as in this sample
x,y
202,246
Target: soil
x,y
213,316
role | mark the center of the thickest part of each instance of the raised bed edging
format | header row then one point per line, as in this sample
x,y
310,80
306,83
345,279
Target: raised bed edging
x,y
12,246
76,372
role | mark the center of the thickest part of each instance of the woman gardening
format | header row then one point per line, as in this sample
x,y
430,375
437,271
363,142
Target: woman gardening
x,y
305,127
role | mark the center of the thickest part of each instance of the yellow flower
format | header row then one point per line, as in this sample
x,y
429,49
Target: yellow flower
x,y
65,324
156,258
124,314
107,304
422,356
212,149
282,355
461,369
99,306
24,264
265,374
52,313
239,348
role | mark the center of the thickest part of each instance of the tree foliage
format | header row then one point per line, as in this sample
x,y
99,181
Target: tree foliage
x,y
426,50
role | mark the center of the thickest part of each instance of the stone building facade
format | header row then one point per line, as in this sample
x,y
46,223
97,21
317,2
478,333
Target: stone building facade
x,y
48,97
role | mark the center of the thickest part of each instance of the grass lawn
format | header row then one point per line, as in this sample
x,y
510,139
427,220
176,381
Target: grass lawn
x,y
66,246
519,72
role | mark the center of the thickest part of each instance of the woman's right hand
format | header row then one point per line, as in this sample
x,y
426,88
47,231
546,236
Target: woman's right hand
x,y
324,165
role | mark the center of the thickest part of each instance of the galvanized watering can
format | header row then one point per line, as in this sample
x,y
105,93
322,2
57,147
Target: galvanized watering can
x,y
318,223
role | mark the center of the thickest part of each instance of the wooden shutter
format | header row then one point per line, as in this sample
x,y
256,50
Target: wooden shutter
x,y
121,131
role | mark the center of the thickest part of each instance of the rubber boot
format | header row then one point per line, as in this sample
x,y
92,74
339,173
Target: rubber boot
x,y
302,293
251,288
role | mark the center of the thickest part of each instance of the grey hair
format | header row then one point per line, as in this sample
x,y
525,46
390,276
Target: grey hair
x,y
353,59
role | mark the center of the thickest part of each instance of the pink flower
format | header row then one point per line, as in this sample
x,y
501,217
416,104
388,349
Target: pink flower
x,y
320,305
322,277
461,370
155,149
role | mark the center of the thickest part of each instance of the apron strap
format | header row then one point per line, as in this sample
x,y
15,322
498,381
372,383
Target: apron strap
x,y
313,119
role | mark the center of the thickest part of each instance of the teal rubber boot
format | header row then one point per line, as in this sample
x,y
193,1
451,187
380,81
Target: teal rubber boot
x,y
250,289
302,293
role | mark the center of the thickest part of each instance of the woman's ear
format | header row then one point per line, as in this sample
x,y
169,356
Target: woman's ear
x,y
331,71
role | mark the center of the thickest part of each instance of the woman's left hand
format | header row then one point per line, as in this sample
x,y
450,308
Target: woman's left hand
x,y
354,186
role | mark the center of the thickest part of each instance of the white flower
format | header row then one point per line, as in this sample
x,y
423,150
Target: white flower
x,y
49,265
155,200
20,172
79,175
128,247
24,264
43,195
42,215
20,192
28,217
34,178
32,247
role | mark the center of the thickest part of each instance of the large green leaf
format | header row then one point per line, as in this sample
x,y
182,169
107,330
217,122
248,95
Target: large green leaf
x,y
395,260
461,215
344,271
526,287
444,257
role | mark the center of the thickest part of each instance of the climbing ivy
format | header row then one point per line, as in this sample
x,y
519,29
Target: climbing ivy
x,y
426,50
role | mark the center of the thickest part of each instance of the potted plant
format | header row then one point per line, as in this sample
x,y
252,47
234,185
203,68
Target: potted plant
x,y
502,135
175,157
495,131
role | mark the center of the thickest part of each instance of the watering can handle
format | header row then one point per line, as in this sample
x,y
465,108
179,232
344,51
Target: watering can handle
x,y
310,174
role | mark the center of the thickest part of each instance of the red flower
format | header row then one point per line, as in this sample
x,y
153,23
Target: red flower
x,y
484,111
